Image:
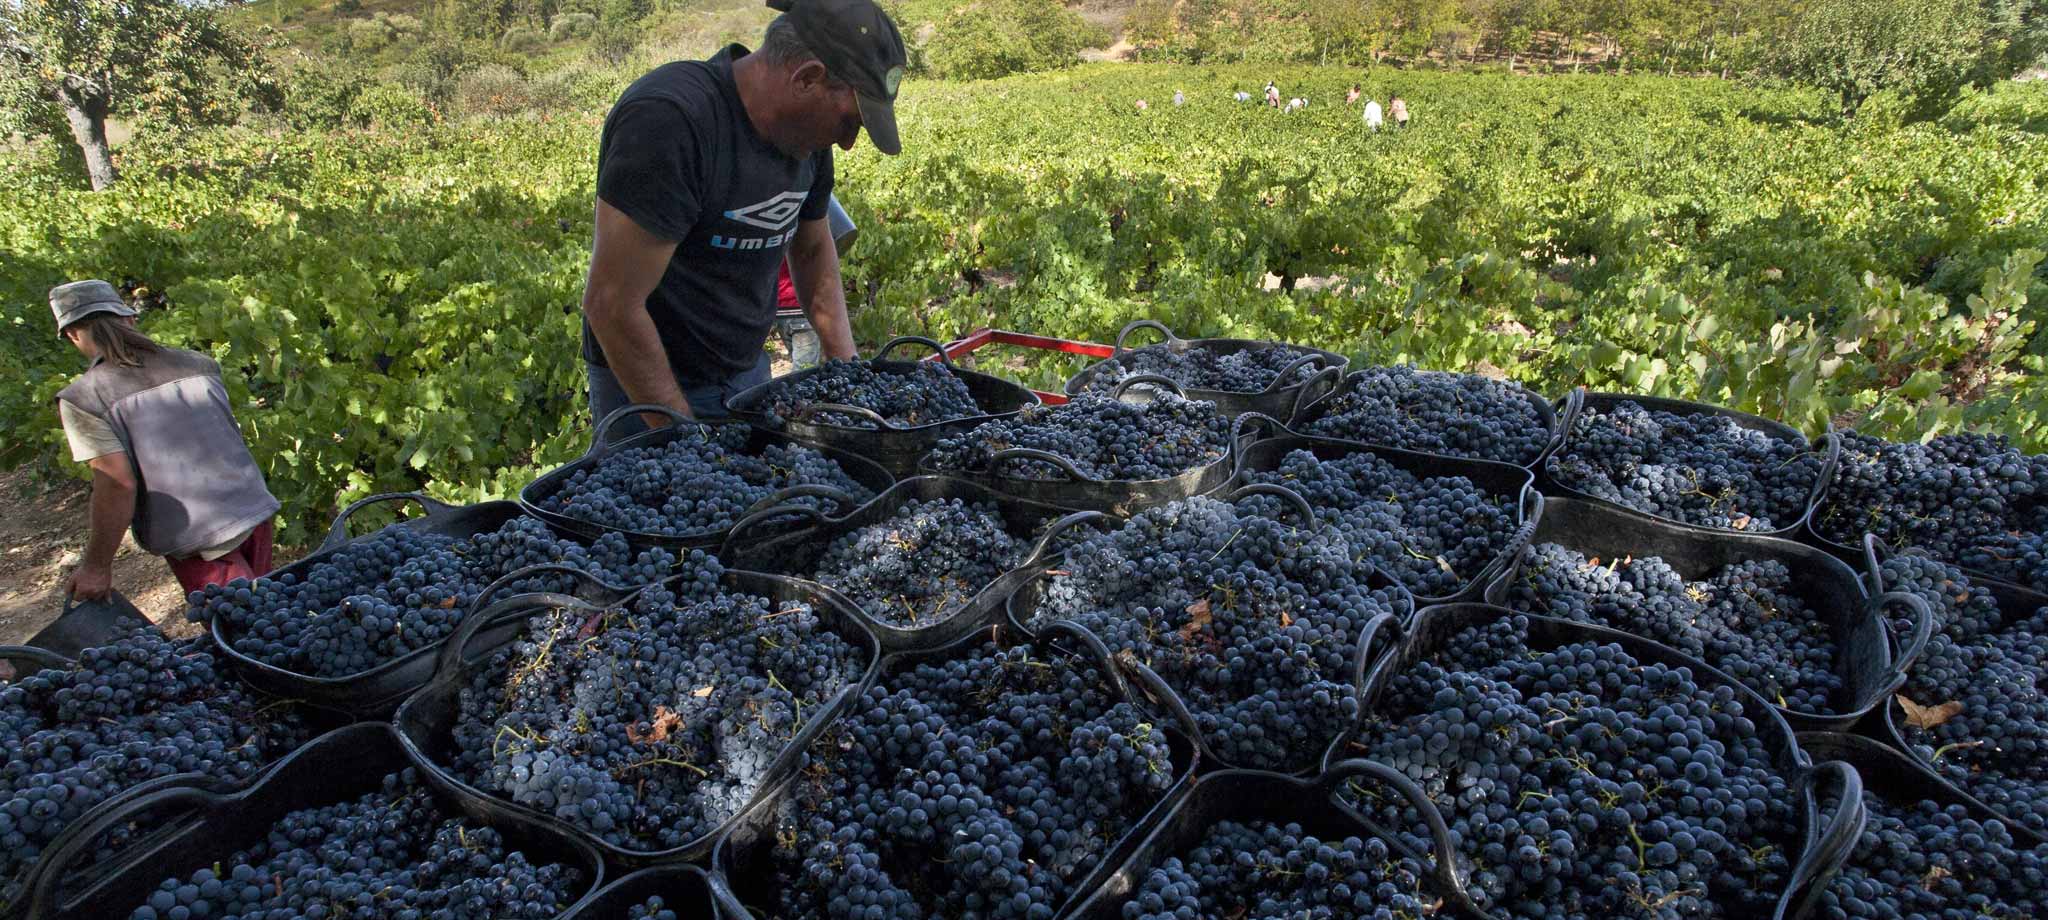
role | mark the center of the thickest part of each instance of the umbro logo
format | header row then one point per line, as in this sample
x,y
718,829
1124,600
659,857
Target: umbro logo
x,y
774,214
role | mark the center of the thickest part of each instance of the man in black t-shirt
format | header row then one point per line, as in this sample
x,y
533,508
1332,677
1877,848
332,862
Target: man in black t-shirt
x,y
709,174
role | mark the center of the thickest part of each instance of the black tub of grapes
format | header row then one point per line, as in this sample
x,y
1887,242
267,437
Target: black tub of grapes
x,y
1238,375
1692,464
1251,843
344,827
999,776
1971,500
683,486
1790,622
355,625
642,727
1438,412
1589,772
134,713
1444,527
1972,709
1927,849
889,411
1245,622
927,562
1118,453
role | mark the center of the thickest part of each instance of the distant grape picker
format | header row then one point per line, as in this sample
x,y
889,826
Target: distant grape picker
x,y
167,458
710,174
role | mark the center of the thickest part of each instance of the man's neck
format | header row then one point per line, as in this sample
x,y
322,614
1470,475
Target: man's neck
x,y
752,76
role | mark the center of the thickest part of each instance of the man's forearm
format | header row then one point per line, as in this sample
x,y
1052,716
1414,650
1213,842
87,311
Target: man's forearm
x,y
632,347
113,509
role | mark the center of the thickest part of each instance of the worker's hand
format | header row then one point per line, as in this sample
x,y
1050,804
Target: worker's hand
x,y
90,582
659,420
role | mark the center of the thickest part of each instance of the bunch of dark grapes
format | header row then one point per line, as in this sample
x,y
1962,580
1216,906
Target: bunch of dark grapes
x,y
1747,619
1696,468
926,394
1253,621
1972,705
1973,500
1583,784
654,908
648,726
924,562
1433,534
980,787
1922,861
389,854
1104,438
1252,370
701,482
399,590
1266,871
1435,412
134,709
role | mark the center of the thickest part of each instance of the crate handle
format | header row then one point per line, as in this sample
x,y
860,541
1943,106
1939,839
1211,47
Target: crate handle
x,y
1137,325
337,533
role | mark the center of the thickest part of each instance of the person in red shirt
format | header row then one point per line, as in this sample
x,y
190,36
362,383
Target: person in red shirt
x,y
789,319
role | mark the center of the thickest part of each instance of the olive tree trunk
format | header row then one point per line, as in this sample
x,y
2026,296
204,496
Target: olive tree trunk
x,y
88,119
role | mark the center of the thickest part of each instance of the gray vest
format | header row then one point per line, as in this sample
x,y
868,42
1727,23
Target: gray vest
x,y
198,485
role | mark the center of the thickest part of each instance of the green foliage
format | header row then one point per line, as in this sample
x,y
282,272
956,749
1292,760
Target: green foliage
x,y
1921,49
572,26
396,309
172,61
994,38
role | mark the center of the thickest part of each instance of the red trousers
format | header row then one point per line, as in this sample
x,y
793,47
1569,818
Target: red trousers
x,y
248,561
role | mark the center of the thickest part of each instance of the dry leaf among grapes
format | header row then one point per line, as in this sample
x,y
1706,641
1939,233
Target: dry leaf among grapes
x,y
665,721
1198,618
1926,717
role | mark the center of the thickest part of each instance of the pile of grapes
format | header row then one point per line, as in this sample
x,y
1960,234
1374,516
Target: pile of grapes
x,y
1697,468
1256,623
1436,412
1252,370
1276,872
1432,534
926,394
985,785
1972,705
703,481
392,853
1107,439
136,708
651,724
923,563
1922,860
1581,783
397,591
1747,619
1968,499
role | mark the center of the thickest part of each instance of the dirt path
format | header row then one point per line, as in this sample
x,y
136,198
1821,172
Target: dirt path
x,y
41,537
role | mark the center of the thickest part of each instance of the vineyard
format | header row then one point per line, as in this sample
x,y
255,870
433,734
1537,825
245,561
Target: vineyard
x,y
397,308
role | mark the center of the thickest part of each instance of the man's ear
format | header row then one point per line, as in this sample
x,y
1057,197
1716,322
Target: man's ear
x,y
810,75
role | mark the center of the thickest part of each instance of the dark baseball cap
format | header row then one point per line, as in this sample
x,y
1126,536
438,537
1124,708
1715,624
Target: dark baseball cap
x,y
861,47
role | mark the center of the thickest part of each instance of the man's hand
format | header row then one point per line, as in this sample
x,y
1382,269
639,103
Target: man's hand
x,y
626,262
90,582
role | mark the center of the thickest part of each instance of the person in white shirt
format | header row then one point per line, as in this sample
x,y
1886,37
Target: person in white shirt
x,y
1296,104
1272,95
1179,98
1374,116
1243,96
